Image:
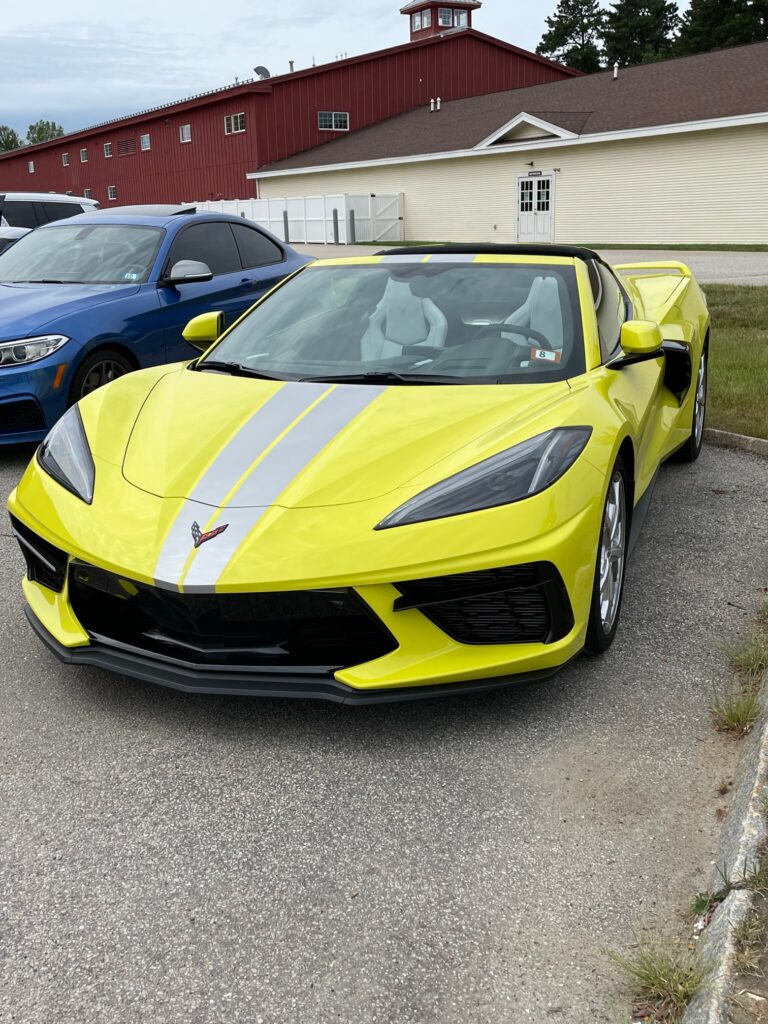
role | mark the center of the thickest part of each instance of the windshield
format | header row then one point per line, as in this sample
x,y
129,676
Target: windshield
x,y
89,254
444,320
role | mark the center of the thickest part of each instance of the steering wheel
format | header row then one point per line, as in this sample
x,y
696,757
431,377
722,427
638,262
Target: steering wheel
x,y
494,330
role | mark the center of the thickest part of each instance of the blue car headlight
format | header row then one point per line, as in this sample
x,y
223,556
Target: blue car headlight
x,y
65,456
29,350
514,474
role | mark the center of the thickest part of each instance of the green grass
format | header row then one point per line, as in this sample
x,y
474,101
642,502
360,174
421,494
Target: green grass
x,y
738,364
751,657
664,975
682,248
735,710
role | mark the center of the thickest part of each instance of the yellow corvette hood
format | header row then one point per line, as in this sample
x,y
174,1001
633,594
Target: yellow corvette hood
x,y
239,443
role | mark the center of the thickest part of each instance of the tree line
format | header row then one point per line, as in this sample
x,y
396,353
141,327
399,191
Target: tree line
x,y
40,131
588,37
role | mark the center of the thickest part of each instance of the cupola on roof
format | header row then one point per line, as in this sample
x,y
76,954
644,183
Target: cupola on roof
x,y
436,17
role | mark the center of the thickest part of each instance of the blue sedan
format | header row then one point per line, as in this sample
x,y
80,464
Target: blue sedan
x,y
88,299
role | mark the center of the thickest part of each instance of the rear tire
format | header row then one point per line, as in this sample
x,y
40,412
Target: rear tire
x,y
691,450
97,369
608,588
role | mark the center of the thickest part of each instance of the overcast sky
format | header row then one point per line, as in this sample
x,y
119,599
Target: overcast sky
x,y
87,61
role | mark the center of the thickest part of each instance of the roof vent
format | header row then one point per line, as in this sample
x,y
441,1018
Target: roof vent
x,y
261,72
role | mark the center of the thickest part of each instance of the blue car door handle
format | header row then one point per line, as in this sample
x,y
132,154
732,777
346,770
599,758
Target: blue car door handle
x,y
247,283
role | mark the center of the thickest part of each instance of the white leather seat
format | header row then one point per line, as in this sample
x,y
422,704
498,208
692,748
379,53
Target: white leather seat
x,y
402,318
542,312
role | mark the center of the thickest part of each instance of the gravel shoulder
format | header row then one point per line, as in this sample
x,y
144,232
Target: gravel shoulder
x,y
175,858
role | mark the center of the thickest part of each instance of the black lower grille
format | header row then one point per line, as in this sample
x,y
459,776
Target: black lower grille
x,y
46,564
512,605
21,417
329,628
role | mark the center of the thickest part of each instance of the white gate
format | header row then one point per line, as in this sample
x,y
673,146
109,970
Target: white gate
x,y
536,208
322,219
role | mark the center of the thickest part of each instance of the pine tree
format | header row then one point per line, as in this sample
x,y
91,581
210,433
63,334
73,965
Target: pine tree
x,y
713,24
637,31
573,35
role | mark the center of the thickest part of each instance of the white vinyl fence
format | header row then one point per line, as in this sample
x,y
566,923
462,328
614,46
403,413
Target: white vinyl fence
x,y
329,220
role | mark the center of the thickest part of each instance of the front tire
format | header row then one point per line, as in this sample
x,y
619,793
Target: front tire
x,y
608,588
96,370
691,450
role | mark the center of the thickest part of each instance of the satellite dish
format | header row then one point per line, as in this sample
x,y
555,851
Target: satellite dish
x,y
262,72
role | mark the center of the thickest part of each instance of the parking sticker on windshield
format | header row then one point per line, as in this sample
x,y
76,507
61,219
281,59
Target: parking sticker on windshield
x,y
131,275
542,353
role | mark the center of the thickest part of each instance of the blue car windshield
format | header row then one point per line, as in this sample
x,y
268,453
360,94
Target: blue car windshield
x,y
85,254
444,320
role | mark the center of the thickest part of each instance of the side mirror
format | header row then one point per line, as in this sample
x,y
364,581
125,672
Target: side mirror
x,y
203,330
640,337
188,272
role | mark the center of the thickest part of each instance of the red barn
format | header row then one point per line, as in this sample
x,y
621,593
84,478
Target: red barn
x,y
201,147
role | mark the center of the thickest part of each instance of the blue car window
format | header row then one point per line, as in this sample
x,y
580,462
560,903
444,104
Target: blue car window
x,y
256,250
211,243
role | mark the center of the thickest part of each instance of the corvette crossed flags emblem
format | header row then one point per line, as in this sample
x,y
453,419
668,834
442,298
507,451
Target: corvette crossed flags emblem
x,y
200,538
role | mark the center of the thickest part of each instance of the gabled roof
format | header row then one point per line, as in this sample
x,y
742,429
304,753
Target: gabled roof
x,y
700,88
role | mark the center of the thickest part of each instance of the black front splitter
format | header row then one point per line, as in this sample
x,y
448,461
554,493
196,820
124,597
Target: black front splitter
x,y
305,683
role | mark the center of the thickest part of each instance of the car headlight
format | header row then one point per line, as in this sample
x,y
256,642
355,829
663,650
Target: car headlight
x,y
65,456
517,473
29,350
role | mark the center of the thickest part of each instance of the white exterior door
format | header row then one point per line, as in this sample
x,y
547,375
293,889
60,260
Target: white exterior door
x,y
536,208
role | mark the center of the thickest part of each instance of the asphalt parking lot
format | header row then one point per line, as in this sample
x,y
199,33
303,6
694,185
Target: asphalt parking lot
x,y
188,860
708,267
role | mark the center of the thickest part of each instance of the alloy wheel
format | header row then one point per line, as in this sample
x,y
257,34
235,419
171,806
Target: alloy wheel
x,y
101,373
701,400
613,543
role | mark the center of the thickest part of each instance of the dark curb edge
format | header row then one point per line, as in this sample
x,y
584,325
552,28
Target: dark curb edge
x,y
744,443
743,833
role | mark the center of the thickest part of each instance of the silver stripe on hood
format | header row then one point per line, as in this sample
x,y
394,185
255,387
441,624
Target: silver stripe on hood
x,y
264,484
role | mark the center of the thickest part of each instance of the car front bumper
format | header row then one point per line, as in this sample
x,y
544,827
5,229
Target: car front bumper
x,y
32,398
306,683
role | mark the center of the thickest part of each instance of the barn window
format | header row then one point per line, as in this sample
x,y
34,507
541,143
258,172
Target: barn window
x,y
111,191
83,156
234,123
333,121
416,22
31,166
107,149
426,19
185,133
459,19
87,193
144,142
444,17
65,159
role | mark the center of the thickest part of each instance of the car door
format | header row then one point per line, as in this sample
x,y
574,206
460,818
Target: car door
x,y
635,389
213,243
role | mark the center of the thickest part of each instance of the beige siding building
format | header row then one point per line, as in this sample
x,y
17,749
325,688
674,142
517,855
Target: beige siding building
x,y
670,153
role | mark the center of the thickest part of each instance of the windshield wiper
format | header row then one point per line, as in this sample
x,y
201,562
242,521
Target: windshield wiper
x,y
384,377
235,370
45,280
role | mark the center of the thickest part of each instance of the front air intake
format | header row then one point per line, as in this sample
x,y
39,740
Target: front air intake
x,y
513,605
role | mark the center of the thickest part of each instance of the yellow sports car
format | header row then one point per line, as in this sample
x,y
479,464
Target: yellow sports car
x,y
402,475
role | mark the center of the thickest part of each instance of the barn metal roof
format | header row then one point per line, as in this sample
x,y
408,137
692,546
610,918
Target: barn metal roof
x,y
702,87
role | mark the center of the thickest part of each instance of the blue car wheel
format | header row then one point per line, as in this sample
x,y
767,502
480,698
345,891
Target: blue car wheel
x,y
97,369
